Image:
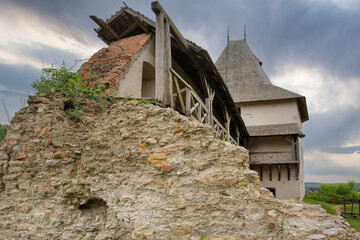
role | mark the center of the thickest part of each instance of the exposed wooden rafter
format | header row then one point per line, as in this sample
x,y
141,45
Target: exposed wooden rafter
x,y
129,30
157,8
105,27
141,24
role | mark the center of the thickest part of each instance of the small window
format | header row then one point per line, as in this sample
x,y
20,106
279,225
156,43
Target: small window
x,y
148,81
273,190
239,109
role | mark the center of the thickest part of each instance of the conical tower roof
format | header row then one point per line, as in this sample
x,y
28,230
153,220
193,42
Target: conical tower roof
x,y
238,65
247,82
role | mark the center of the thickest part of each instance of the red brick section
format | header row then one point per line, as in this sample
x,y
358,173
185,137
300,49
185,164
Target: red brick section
x,y
106,67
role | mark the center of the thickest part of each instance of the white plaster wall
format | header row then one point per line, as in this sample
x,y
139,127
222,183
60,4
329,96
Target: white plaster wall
x,y
269,144
285,189
130,85
270,112
301,172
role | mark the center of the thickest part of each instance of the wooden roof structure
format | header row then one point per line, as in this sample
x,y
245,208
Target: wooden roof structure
x,y
193,59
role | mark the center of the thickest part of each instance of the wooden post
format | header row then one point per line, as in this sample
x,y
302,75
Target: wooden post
x,y
209,104
227,125
188,101
279,172
159,56
296,148
270,168
237,135
167,64
297,171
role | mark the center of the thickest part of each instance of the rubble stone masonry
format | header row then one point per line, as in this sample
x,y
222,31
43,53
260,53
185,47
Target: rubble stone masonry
x,y
138,172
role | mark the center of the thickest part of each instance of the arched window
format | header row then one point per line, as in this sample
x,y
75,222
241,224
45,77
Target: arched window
x,y
148,81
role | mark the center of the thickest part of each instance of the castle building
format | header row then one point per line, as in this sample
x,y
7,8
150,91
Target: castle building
x,y
273,117
151,59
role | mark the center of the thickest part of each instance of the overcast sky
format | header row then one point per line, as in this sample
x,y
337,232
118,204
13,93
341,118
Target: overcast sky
x,y
311,47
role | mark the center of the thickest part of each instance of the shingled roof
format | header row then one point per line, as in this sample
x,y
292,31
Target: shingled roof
x,y
247,81
275,130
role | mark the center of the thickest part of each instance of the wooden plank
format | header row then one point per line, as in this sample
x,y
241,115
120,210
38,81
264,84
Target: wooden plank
x,y
204,83
159,57
131,28
297,171
141,24
194,107
173,98
227,124
199,112
180,95
279,172
105,27
180,78
188,101
167,63
157,8
237,135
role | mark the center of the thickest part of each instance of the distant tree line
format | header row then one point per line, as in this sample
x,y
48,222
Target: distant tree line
x,y
334,193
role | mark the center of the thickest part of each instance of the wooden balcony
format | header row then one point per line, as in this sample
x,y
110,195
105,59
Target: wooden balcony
x,y
283,157
270,159
186,100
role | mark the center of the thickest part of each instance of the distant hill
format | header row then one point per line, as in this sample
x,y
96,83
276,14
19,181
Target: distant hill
x,y
315,186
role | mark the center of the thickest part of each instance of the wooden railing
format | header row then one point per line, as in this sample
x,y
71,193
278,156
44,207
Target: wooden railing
x,y
349,211
272,157
186,100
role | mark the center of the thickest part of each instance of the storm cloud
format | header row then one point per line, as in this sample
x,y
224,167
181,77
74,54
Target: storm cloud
x,y
311,47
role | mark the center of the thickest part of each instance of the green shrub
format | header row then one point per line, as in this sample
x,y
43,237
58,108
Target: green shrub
x,y
61,79
3,131
146,101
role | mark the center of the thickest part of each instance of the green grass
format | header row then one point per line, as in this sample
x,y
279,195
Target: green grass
x,y
354,223
327,206
355,208
330,208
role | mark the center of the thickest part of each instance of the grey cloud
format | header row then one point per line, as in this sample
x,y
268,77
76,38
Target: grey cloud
x,y
331,129
322,168
18,77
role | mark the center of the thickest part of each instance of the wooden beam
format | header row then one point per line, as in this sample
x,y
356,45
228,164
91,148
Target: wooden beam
x,y
157,8
167,64
297,171
141,24
204,83
227,124
179,94
237,134
105,27
159,57
279,172
188,101
129,30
